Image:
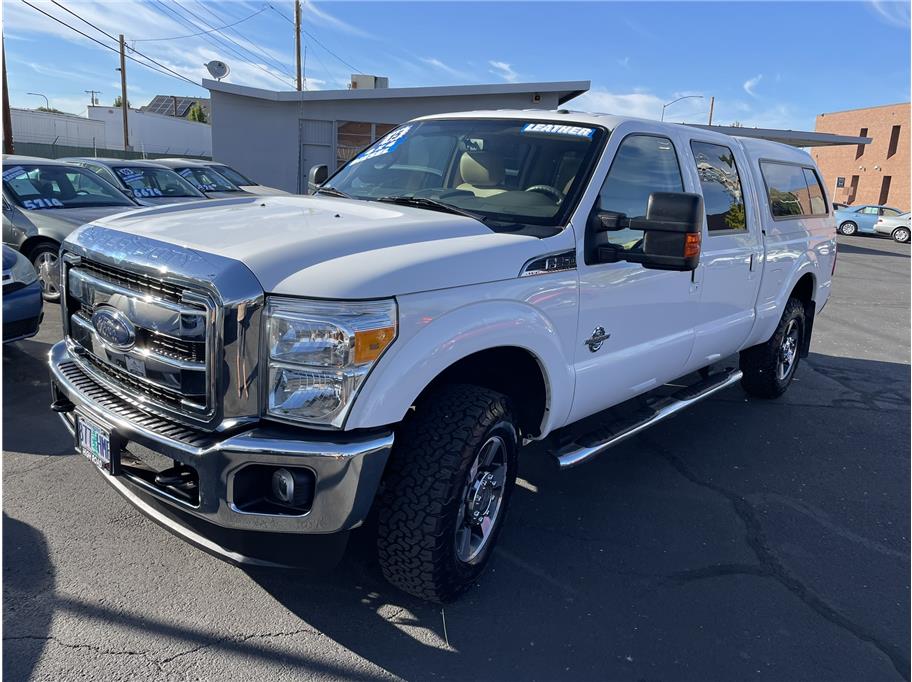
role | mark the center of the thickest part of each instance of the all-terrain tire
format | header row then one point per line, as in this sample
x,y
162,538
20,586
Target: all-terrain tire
x,y
425,485
760,364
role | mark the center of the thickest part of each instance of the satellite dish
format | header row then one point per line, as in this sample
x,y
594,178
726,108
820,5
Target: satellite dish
x,y
218,70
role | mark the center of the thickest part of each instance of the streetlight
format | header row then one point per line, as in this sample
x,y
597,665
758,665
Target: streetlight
x,y
664,106
47,105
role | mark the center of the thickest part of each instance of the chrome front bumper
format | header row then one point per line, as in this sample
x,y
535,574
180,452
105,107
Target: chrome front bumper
x,y
347,467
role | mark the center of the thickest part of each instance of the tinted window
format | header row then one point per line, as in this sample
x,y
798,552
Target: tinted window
x,y
233,175
815,190
889,212
787,189
721,186
642,165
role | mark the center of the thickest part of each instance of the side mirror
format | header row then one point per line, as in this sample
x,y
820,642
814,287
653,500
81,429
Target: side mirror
x,y
316,177
672,233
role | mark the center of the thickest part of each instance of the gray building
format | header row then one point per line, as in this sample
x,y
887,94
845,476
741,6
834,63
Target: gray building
x,y
275,137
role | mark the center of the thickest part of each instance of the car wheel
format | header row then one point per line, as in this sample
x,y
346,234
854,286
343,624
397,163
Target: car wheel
x,y
848,228
768,368
45,258
901,235
446,491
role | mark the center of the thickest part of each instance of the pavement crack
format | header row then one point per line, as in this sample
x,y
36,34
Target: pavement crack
x,y
237,639
81,645
770,566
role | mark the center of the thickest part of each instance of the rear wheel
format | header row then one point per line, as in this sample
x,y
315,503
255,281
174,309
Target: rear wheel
x,y
901,235
446,491
45,257
848,228
768,368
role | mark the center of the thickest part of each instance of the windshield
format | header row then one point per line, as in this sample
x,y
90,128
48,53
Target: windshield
x,y
206,179
509,170
233,175
147,182
36,187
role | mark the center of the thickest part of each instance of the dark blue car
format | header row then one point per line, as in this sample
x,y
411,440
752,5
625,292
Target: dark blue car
x,y
21,297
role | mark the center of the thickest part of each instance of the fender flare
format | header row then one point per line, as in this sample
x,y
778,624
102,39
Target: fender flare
x,y
411,364
769,315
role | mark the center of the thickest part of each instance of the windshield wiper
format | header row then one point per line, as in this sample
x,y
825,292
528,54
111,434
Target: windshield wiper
x,y
430,204
333,192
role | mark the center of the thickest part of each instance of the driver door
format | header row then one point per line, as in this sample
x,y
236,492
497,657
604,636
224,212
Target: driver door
x,y
635,324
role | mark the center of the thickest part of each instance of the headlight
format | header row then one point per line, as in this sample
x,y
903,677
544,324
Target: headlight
x,y
320,352
21,271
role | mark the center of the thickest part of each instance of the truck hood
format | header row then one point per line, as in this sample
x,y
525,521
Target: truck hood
x,y
59,222
337,248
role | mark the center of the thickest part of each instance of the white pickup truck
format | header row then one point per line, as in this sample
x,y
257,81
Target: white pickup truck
x,y
259,374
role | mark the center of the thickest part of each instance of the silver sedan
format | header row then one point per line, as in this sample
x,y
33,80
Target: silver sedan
x,y
896,227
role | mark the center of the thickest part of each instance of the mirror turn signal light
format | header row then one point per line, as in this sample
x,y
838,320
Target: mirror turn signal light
x,y
692,244
371,343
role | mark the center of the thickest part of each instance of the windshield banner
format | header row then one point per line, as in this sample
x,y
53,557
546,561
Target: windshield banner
x,y
557,129
384,146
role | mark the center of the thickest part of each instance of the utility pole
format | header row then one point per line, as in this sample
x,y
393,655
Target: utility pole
x,y
93,100
7,119
298,41
712,103
124,105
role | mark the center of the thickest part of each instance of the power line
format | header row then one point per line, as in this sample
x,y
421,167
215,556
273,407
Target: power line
x,y
194,35
167,72
100,30
252,50
215,41
316,40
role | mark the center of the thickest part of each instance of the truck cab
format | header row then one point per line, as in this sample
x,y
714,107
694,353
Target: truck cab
x,y
468,284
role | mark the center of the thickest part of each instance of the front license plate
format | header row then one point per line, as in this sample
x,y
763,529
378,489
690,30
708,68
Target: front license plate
x,y
94,441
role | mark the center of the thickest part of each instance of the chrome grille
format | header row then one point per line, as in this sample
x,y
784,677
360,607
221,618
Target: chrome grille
x,y
168,364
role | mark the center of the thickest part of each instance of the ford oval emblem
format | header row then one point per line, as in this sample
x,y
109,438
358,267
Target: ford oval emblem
x,y
114,328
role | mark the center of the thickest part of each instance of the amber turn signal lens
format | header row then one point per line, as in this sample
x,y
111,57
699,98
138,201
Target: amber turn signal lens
x,y
692,244
371,343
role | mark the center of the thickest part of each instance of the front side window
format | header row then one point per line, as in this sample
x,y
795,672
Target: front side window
x,y
206,179
233,175
723,199
643,164
35,187
511,171
147,182
787,189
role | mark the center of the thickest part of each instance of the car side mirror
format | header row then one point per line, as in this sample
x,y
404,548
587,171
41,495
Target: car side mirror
x,y
316,177
672,232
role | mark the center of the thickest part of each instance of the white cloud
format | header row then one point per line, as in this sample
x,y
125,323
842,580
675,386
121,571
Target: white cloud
x,y
893,13
328,19
640,104
503,70
446,68
625,62
750,85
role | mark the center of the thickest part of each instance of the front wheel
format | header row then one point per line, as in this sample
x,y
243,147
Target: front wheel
x,y
768,368
45,258
901,235
848,228
446,491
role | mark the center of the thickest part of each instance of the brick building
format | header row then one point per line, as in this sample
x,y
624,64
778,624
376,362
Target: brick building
x,y
876,173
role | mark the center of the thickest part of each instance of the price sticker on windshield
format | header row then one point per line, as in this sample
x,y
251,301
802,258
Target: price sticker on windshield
x,y
36,204
11,173
384,146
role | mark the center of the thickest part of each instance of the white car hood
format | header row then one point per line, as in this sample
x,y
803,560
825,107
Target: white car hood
x,y
336,248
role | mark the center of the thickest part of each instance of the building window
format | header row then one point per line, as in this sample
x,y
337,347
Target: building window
x,y
894,141
858,152
853,189
884,190
353,136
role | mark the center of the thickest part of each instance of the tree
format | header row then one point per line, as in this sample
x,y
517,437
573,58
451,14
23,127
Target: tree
x,y
118,101
51,110
197,113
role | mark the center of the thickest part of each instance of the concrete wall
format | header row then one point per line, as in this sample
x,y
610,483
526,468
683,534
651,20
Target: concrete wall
x,y
873,164
261,137
49,128
154,133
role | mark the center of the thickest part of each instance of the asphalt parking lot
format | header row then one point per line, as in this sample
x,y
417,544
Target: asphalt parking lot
x,y
742,540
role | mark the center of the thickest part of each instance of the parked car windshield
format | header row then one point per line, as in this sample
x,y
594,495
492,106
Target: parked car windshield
x,y
233,175
35,187
502,170
148,182
206,179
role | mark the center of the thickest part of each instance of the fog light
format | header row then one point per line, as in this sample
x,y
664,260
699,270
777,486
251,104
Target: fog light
x,y
292,488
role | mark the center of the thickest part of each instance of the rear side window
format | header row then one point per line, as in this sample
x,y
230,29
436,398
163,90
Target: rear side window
x,y
793,191
721,187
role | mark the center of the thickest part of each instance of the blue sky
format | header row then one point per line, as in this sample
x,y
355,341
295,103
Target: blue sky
x,y
767,64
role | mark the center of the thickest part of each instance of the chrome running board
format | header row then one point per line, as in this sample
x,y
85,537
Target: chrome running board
x,y
576,453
